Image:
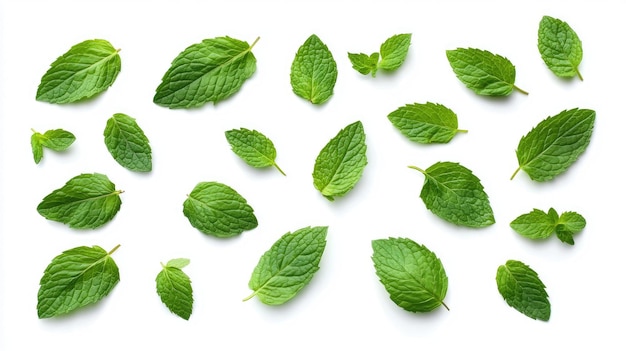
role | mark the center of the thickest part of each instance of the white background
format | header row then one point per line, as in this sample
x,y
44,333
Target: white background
x,y
344,305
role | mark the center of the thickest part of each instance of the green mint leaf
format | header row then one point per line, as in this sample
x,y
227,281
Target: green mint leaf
x,y
456,195
55,139
217,209
87,69
393,51
534,225
314,71
569,224
412,275
483,72
288,266
253,147
560,47
127,143
522,289
426,123
86,201
212,70
555,144
365,64
341,162
77,277
174,288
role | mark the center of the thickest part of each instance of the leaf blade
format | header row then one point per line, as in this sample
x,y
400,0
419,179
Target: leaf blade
x,y
425,123
393,51
313,71
522,289
127,143
560,47
253,147
174,288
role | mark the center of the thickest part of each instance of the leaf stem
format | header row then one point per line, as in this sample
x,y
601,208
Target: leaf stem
x,y
278,168
520,89
461,130
113,250
515,173
578,74
444,305
418,169
249,297
254,43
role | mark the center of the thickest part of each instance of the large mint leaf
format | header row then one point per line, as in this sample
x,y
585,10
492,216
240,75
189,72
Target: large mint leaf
x,y
88,68
86,201
456,195
426,123
174,287
217,209
127,143
483,72
313,71
560,47
341,162
522,289
551,147
413,276
288,266
78,277
210,71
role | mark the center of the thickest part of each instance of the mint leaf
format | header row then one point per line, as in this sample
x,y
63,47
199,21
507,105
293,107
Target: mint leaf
x,y
560,47
55,139
540,225
393,51
365,64
455,194
555,144
86,201
412,275
77,277
127,143
483,72
212,70
569,224
217,209
253,147
313,71
340,164
174,288
522,289
88,68
288,266
426,123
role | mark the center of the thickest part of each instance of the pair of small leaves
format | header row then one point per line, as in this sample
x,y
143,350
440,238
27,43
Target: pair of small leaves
x,y
540,225
288,266
426,123
127,143
483,72
522,289
560,47
174,287
413,275
86,201
210,71
313,71
551,147
217,209
253,147
88,68
455,194
55,139
392,54
340,164
77,277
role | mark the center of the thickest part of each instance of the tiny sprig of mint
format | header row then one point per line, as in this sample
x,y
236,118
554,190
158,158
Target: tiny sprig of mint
x,y
522,289
313,71
253,147
54,139
560,47
538,224
392,54
174,287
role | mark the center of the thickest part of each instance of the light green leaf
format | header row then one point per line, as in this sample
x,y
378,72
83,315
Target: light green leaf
x,y
365,64
413,276
522,289
86,201
535,225
88,68
55,139
174,288
127,143
483,72
288,266
217,209
560,47
551,147
426,123
569,224
78,277
393,51
341,162
253,147
455,194
313,71
212,70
